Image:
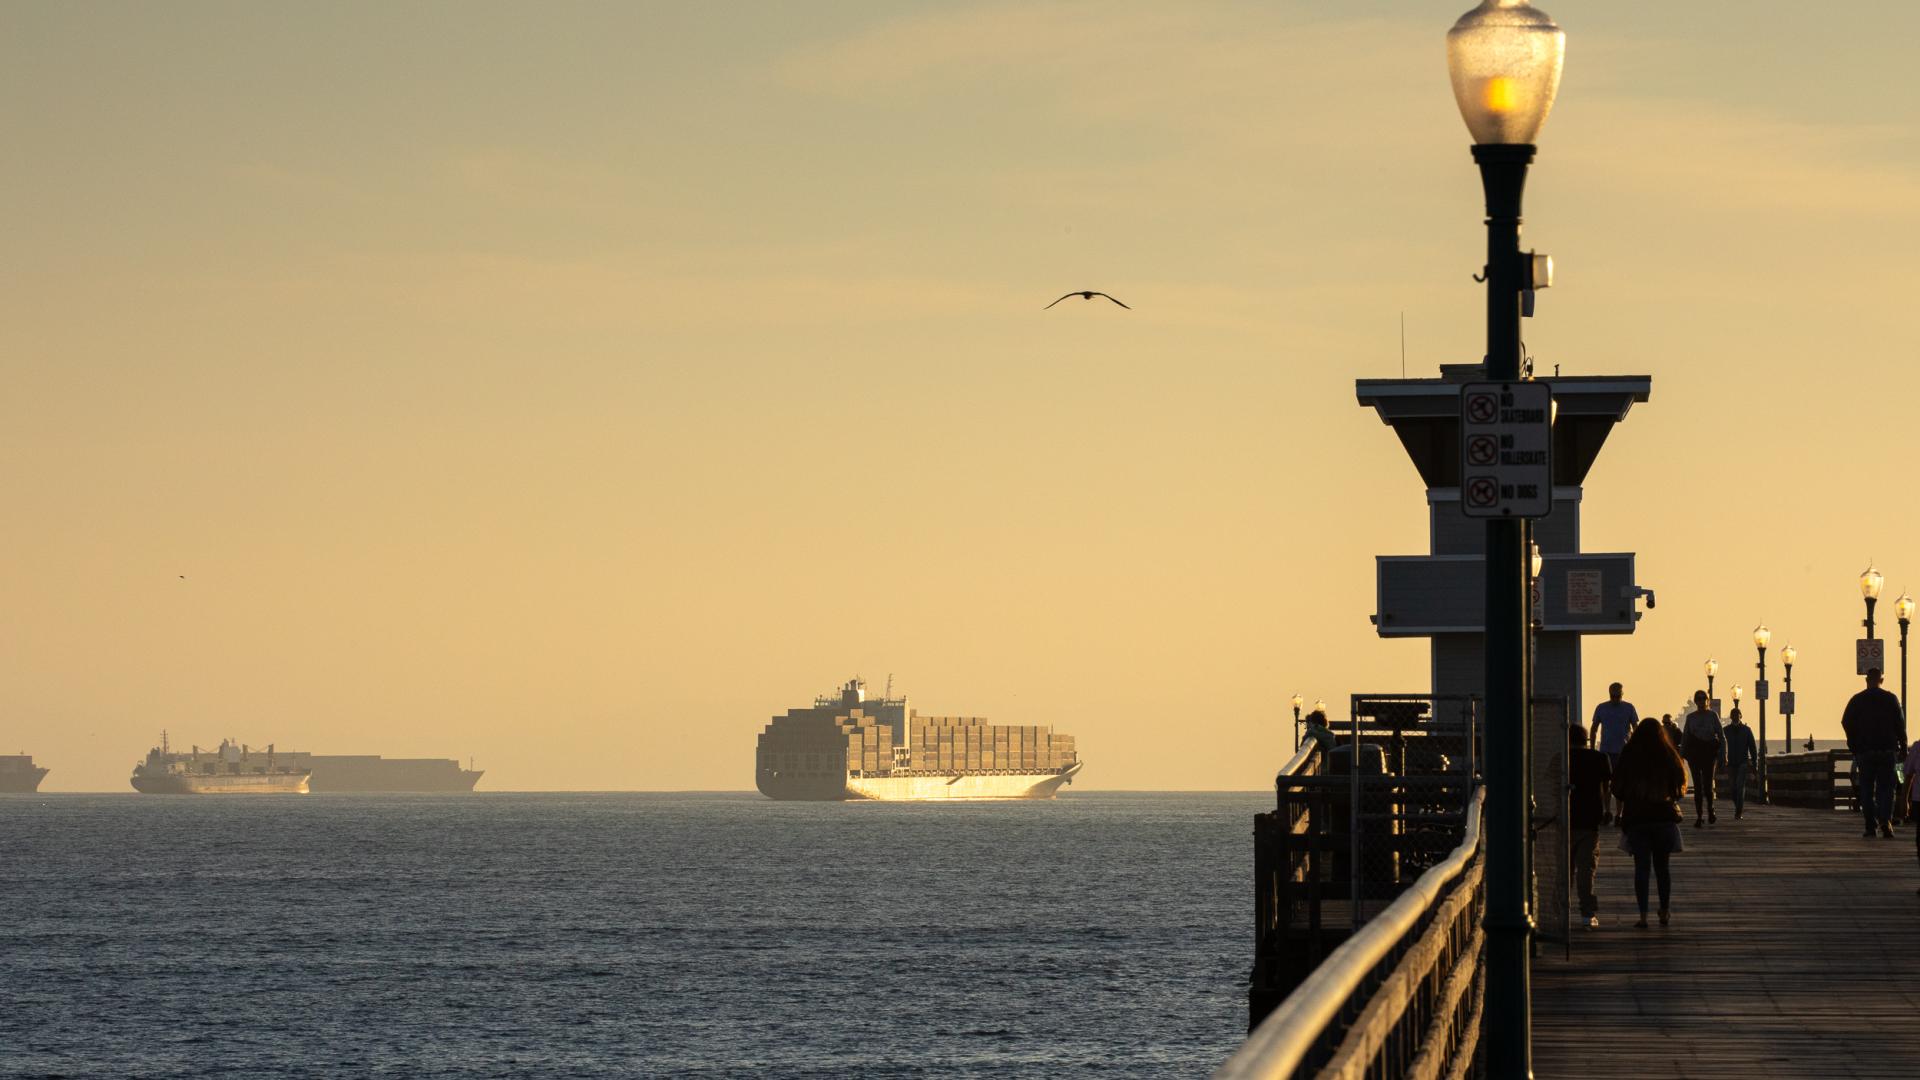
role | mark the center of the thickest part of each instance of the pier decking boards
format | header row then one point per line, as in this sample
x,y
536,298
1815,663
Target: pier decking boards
x,y
1794,952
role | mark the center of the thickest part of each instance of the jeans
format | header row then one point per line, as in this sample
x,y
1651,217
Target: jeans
x,y
1702,785
1874,778
1739,778
1661,868
1586,860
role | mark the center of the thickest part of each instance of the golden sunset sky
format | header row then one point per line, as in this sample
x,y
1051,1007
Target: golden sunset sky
x,y
574,386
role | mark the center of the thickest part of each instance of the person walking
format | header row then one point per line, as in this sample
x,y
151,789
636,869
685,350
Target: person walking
x,y
1589,776
1649,785
1913,792
1613,721
1672,729
1741,754
1704,747
1878,737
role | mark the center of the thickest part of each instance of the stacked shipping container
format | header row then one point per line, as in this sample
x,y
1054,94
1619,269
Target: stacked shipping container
x,y
808,742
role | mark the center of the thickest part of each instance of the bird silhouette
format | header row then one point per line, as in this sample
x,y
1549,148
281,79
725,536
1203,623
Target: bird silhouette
x,y
1087,294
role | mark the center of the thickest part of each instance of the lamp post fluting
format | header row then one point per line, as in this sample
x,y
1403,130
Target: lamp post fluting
x,y
1871,582
1504,58
1903,611
1787,656
1761,638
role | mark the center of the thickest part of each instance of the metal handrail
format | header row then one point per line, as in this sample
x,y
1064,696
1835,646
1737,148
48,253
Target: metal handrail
x,y
1285,1038
1301,755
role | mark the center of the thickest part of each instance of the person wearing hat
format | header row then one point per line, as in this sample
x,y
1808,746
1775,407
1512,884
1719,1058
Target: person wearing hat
x,y
1877,736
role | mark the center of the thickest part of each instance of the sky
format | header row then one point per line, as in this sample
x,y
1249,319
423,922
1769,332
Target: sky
x,y
574,386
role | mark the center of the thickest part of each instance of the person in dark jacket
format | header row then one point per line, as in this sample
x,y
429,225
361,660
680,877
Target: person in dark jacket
x,y
1877,736
1649,784
1741,754
1589,776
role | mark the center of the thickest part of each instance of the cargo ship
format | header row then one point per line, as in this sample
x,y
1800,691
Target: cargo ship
x,y
18,773
371,772
234,769
848,748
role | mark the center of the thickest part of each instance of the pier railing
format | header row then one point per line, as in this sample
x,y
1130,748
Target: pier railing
x,y
1819,780
1361,812
1401,997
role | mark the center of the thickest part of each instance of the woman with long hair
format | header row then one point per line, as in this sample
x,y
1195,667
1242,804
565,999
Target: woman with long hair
x,y
1649,783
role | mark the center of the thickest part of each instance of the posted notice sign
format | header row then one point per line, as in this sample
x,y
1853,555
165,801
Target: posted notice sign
x,y
1869,653
1506,449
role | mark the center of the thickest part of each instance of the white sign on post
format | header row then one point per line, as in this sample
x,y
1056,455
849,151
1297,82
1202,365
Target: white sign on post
x,y
1869,653
1506,449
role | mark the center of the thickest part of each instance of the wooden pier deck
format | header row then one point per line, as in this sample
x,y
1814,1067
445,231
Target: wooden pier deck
x,y
1794,952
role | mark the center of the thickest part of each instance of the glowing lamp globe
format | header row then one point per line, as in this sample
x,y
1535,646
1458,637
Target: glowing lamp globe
x,y
1761,636
1505,58
1871,582
1903,608
1296,703
1788,655
1736,693
1713,668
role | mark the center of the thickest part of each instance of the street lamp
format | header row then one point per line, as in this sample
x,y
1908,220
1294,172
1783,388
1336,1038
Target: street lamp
x,y
1504,58
1762,637
1871,581
1713,668
1787,656
1903,610
1296,721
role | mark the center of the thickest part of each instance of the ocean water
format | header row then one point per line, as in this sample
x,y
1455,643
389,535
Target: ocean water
x,y
617,935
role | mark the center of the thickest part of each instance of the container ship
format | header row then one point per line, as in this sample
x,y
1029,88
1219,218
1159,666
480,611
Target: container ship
x,y
846,747
18,773
234,769
371,772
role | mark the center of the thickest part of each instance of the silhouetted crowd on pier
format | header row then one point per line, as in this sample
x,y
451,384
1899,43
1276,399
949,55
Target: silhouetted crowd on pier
x,y
1633,772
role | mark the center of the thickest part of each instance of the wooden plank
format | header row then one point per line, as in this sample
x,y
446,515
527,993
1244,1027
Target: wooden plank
x,y
1788,955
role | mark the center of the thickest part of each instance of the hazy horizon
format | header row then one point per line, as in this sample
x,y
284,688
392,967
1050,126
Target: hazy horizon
x,y
574,389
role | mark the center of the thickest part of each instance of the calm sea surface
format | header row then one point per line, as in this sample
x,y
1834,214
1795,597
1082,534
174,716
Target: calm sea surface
x,y
497,935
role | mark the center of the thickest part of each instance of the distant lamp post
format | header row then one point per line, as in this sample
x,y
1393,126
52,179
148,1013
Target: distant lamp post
x,y
1787,656
1320,706
1871,582
1736,695
1713,668
1903,610
1504,58
1296,721
1762,637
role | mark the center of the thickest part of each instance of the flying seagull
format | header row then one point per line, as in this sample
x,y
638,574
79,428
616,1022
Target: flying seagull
x,y
1087,294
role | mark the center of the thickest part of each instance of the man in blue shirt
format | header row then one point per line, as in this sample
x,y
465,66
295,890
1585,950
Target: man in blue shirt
x,y
1613,721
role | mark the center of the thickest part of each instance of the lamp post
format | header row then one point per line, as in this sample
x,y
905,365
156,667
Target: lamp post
x,y
1787,656
1761,638
1713,668
1871,581
1903,610
1504,58
1296,721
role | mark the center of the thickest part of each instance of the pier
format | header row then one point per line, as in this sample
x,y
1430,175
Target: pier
x,y
1789,954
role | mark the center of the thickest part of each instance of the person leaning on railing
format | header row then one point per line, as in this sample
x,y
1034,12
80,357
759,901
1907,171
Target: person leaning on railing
x,y
1649,785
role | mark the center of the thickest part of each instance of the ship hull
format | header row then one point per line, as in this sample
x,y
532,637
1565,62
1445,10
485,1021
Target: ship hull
x,y
244,784
918,787
18,782
365,773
